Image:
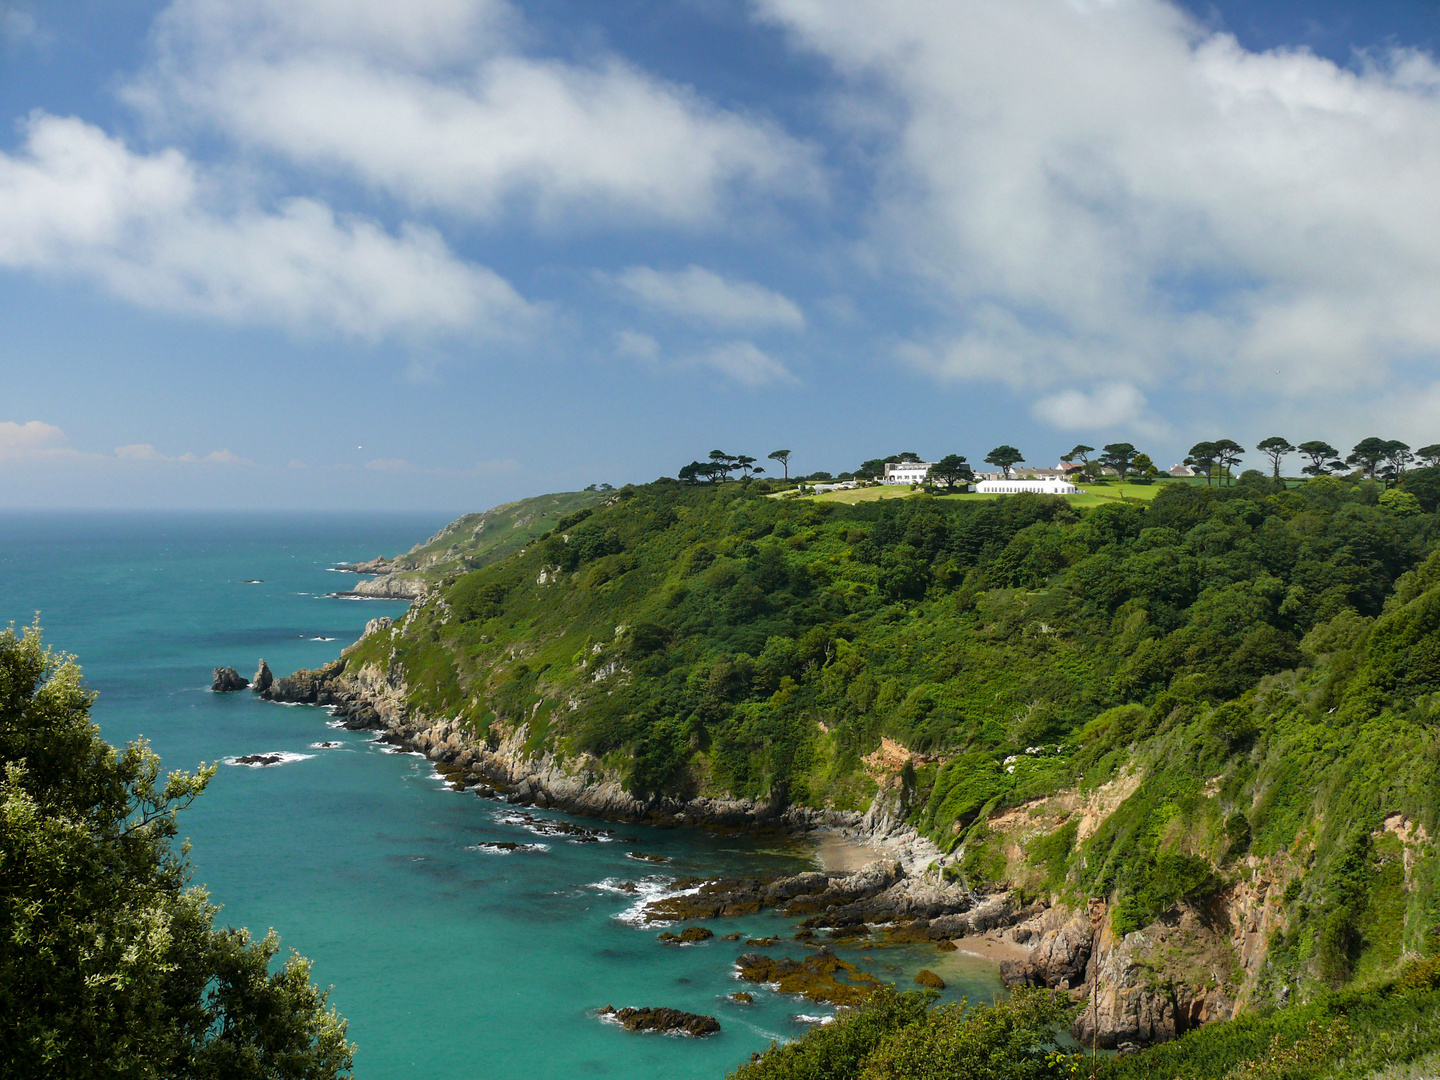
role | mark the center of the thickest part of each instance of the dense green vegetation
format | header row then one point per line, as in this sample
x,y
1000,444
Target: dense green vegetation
x,y
1391,1030
1260,660
904,1037
110,963
477,540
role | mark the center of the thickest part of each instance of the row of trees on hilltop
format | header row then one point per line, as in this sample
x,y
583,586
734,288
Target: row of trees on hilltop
x,y
720,465
1379,459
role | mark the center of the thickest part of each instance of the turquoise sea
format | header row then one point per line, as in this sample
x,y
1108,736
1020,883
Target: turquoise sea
x,y
448,959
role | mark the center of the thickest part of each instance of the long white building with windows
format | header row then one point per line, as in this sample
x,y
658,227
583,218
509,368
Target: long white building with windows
x,y
1016,487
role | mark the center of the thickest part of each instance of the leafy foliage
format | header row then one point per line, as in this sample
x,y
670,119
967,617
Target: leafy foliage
x,y
109,964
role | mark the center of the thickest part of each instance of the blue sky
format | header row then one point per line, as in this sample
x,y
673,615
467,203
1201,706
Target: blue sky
x,y
358,254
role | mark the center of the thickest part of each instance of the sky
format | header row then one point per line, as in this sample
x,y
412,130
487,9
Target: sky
x,y
354,254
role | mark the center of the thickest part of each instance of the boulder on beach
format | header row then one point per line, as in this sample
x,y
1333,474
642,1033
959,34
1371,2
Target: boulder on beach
x,y
663,1019
262,679
227,680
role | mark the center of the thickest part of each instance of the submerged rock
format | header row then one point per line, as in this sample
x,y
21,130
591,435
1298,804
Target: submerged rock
x,y
263,678
689,936
663,1019
928,979
227,680
818,977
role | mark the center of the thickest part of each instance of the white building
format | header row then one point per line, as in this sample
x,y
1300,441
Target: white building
x,y
1015,487
906,472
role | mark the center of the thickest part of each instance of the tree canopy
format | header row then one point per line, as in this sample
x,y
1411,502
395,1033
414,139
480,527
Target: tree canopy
x,y
110,962
1003,457
952,469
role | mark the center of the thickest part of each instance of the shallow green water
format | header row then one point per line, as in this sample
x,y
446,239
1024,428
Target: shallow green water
x,y
450,960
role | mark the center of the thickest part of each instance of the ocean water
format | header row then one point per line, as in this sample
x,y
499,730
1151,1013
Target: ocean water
x,y
449,958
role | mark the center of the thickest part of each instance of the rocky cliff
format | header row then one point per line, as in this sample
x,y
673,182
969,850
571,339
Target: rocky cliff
x,y
1145,986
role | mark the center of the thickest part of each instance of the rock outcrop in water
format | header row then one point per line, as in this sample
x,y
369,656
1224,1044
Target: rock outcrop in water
x,y
226,680
821,977
388,587
664,1020
306,686
263,678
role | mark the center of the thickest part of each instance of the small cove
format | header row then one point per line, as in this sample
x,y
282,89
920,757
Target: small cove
x,y
449,957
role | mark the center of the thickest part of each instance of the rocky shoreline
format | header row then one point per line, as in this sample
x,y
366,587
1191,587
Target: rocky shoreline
x,y
903,896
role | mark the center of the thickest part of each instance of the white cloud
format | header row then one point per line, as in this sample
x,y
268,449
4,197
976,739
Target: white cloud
x,y
704,296
147,452
1117,405
16,25
637,346
746,364
445,113
1114,192
76,201
33,439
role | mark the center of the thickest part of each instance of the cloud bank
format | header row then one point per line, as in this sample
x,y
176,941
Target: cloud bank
x,y
1112,191
76,201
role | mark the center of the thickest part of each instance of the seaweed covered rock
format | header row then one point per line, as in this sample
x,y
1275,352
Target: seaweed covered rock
x,y
928,979
226,680
664,1020
689,936
879,893
823,977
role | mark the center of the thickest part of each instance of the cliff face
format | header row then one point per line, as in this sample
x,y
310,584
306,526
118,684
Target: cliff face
x,y
1146,986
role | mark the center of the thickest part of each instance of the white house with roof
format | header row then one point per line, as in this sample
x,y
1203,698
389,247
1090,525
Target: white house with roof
x,y
1049,486
906,472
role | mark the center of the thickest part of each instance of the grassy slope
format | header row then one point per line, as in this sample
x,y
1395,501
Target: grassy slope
x,y
477,540
1265,662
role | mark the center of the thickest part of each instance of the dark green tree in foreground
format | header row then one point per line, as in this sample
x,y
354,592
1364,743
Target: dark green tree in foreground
x,y
1275,448
950,470
110,962
1002,457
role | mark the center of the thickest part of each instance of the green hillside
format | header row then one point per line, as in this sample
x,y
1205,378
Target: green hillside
x,y
477,540
1252,673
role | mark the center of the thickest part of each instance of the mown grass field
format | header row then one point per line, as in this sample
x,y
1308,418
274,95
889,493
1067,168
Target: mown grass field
x,y
1092,495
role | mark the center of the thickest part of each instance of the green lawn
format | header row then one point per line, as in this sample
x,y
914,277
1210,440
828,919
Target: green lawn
x,y
1092,495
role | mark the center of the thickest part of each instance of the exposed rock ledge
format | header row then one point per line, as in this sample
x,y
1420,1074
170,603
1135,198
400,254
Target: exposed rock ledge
x,y
369,699
387,587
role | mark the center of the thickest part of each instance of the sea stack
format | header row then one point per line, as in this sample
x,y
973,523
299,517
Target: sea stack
x,y
227,680
262,679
